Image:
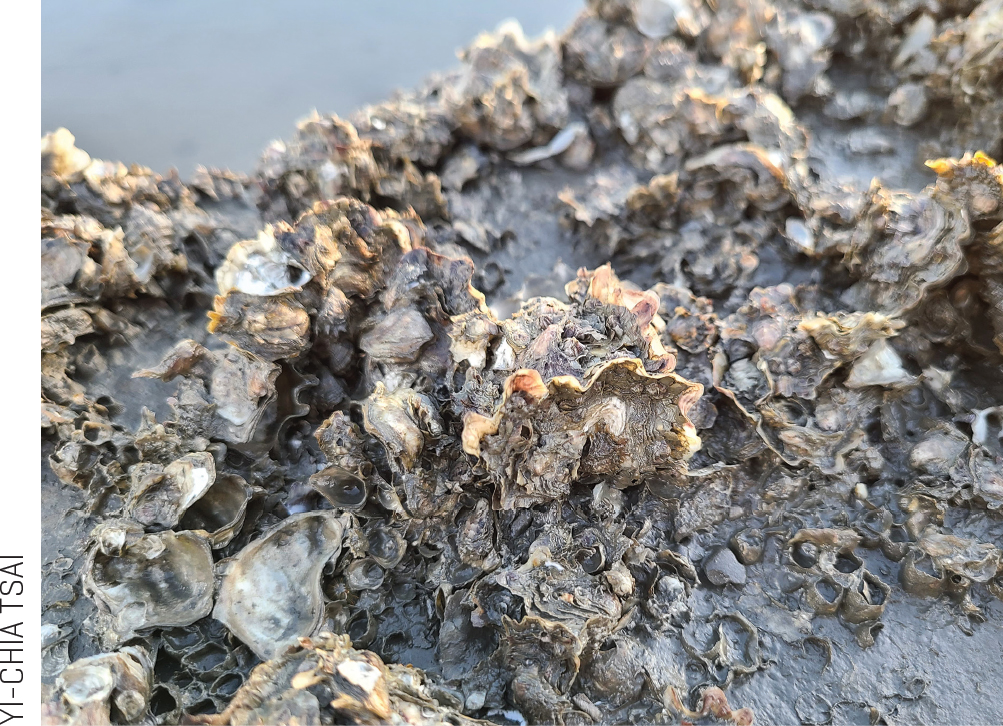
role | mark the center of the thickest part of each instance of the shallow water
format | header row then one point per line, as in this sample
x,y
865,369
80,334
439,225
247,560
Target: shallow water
x,y
181,82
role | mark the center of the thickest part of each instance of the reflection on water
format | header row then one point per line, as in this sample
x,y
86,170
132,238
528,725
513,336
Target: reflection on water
x,y
184,82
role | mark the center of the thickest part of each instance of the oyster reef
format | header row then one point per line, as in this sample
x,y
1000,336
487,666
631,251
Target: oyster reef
x,y
648,373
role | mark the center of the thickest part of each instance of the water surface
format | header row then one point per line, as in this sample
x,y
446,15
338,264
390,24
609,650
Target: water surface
x,y
187,82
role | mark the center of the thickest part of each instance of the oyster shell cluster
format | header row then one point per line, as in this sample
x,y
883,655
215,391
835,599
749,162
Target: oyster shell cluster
x,y
349,440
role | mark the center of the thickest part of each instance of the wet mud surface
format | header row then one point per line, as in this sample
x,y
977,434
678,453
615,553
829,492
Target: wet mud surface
x,y
377,434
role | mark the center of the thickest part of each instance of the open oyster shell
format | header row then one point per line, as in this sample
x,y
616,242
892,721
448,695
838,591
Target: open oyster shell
x,y
161,495
220,512
270,594
158,580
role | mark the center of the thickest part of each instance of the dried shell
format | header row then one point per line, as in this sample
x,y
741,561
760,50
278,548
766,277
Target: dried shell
x,y
270,593
163,494
149,581
220,511
90,688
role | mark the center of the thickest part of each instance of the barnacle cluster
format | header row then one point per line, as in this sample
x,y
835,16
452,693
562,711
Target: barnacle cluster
x,y
348,440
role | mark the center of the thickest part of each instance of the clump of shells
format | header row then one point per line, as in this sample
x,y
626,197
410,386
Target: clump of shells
x,y
353,443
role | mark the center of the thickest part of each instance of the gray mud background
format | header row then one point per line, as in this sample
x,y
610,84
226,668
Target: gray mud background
x,y
747,629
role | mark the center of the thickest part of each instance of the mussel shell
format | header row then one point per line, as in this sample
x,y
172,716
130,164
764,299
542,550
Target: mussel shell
x,y
343,489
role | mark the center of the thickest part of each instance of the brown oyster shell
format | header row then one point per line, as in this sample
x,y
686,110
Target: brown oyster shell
x,y
360,687
534,446
601,54
455,435
401,420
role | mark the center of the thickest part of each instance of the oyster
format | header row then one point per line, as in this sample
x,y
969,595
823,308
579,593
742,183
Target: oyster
x,y
148,580
354,685
623,423
220,511
569,498
509,92
92,689
161,495
270,593
917,244
241,384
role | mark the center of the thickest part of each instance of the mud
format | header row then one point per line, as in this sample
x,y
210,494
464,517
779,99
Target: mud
x,y
824,624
